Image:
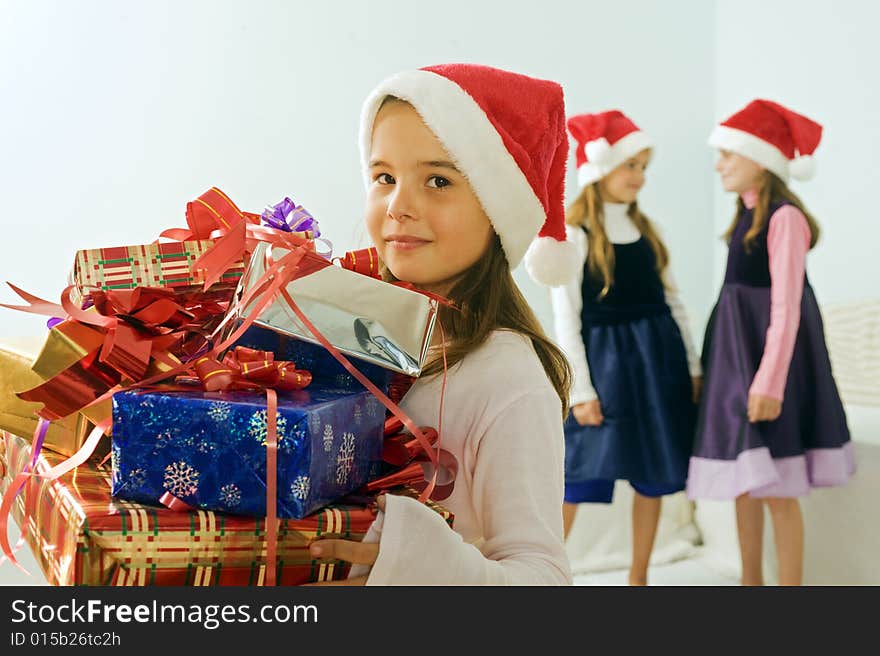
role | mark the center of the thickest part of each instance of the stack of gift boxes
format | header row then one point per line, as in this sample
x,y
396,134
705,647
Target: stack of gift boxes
x,y
172,350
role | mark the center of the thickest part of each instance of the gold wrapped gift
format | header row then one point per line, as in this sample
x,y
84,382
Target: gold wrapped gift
x,y
17,356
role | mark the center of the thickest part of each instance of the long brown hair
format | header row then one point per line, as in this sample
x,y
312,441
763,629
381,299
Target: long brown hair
x,y
771,189
488,299
587,210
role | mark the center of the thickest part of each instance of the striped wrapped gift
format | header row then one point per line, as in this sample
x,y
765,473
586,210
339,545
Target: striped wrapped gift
x,y
168,265
81,536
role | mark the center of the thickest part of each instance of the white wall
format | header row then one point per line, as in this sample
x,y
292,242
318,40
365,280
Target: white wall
x,y
819,58
114,115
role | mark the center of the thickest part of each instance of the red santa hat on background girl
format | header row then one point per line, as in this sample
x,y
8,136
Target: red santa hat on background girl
x,y
604,141
773,136
506,133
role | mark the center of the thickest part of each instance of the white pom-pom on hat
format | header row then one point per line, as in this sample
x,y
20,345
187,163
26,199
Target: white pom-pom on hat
x,y
803,167
552,262
598,150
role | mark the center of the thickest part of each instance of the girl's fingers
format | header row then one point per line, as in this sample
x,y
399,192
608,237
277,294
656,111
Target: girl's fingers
x,y
359,553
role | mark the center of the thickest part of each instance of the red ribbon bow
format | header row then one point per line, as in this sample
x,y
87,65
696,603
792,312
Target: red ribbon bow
x,y
246,368
133,327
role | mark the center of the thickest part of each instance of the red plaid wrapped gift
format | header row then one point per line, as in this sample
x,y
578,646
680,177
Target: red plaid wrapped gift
x,y
81,536
168,265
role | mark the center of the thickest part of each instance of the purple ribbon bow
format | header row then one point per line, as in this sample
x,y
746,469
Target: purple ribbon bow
x,y
290,217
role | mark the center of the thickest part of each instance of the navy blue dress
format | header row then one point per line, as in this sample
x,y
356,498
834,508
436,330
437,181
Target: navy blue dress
x,y
638,366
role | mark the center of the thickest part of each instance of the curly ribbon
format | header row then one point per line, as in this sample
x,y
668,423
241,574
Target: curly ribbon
x,y
9,552
364,261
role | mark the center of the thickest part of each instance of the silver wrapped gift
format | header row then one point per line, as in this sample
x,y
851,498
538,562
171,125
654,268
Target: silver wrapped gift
x,y
363,317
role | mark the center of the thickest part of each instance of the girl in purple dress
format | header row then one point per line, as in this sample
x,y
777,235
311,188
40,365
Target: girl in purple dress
x,y
771,425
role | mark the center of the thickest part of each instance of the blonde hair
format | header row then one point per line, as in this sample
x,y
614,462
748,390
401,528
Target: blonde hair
x,y
771,189
587,210
487,299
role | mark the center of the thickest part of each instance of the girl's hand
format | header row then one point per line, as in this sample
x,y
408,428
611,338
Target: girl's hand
x,y
350,551
696,388
588,413
763,408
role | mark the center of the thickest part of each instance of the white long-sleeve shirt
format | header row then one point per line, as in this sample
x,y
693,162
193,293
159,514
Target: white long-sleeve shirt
x,y
567,303
502,420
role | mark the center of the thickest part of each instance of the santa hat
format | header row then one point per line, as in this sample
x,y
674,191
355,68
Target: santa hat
x,y
604,142
506,134
775,137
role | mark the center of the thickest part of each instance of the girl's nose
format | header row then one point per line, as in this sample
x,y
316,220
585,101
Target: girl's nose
x,y
400,204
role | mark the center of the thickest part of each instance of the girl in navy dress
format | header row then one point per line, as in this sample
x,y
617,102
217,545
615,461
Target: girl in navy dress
x,y
636,376
771,425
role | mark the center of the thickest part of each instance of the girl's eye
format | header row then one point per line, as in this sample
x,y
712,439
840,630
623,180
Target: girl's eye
x,y
384,179
438,182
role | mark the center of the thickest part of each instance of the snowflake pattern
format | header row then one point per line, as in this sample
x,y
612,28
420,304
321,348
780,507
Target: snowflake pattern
x,y
230,495
358,414
137,477
259,431
328,438
181,479
205,446
314,423
345,458
162,440
343,381
300,487
219,411
372,408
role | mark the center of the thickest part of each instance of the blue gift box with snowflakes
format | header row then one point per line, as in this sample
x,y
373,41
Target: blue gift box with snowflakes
x,y
209,448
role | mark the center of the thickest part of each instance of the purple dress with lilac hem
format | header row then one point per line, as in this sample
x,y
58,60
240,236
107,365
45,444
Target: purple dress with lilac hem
x,y
809,444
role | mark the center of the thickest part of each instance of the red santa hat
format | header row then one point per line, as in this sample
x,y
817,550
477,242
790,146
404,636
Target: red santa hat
x,y
506,134
604,142
774,136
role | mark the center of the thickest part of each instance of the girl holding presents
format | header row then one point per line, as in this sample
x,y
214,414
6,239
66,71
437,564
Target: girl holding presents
x,y
464,167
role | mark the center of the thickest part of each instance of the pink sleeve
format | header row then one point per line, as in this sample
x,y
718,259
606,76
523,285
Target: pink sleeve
x,y
788,241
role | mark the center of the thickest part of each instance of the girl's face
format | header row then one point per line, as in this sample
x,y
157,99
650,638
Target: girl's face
x,y
738,174
623,184
422,215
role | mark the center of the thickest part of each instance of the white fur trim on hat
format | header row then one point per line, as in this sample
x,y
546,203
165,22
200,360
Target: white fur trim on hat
x,y
630,145
552,262
475,147
748,145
